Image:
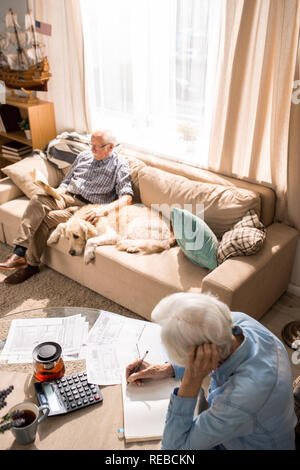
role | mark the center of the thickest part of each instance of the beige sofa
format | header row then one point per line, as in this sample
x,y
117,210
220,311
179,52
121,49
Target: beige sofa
x,y
250,284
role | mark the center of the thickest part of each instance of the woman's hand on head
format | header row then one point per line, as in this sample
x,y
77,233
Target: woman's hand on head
x,y
201,362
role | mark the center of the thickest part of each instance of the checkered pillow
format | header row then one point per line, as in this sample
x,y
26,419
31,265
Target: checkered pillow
x,y
245,238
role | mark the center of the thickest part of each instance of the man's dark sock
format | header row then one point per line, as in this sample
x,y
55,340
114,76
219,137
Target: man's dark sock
x,y
20,251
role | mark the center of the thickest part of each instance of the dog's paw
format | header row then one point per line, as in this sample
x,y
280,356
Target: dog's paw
x,y
89,255
132,249
121,246
126,245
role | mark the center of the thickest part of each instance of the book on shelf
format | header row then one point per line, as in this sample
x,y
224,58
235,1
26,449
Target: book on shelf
x,y
16,147
15,150
24,152
14,158
10,117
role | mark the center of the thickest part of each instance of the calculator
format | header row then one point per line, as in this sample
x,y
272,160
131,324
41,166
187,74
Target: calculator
x,y
70,393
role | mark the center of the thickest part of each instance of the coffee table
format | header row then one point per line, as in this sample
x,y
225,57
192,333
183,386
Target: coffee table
x,y
92,428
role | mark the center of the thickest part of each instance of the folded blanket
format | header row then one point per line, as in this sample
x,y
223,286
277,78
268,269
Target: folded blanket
x,y
63,150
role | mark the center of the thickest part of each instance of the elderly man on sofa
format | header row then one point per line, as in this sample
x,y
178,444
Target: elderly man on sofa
x,y
98,175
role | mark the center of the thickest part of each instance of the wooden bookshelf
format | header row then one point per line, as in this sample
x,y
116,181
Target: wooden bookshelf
x,y
41,118
18,136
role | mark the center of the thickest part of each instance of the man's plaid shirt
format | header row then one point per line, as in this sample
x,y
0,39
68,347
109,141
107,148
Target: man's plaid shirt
x,y
99,181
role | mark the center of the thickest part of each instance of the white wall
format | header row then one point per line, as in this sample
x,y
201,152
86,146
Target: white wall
x,y
18,6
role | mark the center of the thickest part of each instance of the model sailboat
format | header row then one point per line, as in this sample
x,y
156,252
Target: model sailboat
x,y
26,66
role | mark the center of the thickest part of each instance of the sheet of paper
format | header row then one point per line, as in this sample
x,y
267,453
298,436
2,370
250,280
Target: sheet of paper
x,y
25,334
150,341
111,327
112,343
80,354
115,341
105,363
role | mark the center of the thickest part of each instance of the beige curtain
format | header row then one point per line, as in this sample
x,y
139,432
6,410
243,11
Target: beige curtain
x,y
293,186
64,48
252,135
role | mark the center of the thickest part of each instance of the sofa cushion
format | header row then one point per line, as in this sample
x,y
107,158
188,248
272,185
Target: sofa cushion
x,y
8,190
135,167
170,267
267,194
10,216
19,173
195,238
223,205
246,238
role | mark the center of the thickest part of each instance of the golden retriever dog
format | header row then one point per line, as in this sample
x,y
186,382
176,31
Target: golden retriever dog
x,y
134,228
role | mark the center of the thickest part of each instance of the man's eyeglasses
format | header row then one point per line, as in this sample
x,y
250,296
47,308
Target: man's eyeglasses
x,y
98,147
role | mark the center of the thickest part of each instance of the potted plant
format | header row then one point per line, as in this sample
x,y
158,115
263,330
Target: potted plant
x,y
24,125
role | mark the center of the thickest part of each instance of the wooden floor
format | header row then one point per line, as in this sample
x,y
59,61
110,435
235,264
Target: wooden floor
x,y
285,310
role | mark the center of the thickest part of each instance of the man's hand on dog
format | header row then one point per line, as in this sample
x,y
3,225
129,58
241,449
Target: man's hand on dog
x,y
94,213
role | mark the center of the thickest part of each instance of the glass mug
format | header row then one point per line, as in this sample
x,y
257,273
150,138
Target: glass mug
x,y
47,362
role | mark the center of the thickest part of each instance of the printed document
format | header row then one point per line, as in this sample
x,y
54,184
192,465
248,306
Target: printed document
x,y
115,341
24,334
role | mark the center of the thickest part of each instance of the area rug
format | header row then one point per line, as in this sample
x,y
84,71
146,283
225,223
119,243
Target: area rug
x,y
50,289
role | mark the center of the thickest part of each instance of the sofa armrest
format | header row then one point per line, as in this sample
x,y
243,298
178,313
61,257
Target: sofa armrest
x,y
251,284
8,190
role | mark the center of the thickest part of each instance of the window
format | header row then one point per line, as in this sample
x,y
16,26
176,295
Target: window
x,y
150,69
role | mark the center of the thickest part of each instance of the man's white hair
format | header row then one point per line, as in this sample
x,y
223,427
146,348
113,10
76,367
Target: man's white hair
x,y
190,319
106,135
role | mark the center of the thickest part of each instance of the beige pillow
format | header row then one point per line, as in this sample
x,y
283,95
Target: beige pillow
x,y
223,205
19,173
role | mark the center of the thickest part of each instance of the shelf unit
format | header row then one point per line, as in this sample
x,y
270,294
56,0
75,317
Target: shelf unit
x,y
41,118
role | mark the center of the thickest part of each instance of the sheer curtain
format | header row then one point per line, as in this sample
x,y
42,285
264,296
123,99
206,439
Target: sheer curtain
x,y
64,48
255,132
150,72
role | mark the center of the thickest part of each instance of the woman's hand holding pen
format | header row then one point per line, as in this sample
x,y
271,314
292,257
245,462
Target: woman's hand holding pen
x,y
148,371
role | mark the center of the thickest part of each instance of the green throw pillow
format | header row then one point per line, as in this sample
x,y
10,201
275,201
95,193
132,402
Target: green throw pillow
x,y
195,238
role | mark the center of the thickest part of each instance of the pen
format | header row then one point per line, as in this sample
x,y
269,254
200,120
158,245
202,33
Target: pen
x,y
140,363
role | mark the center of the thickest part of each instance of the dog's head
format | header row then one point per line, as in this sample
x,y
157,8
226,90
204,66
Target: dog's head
x,y
77,232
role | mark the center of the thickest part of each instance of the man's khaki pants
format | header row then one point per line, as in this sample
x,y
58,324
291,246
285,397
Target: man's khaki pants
x,y
43,214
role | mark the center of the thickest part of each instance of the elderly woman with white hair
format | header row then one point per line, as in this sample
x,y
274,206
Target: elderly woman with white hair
x,y
250,401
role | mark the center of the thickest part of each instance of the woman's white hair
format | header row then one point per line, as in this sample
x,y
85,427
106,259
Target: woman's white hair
x,y
190,319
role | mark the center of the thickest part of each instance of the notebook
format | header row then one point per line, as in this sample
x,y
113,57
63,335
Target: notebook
x,y
145,408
